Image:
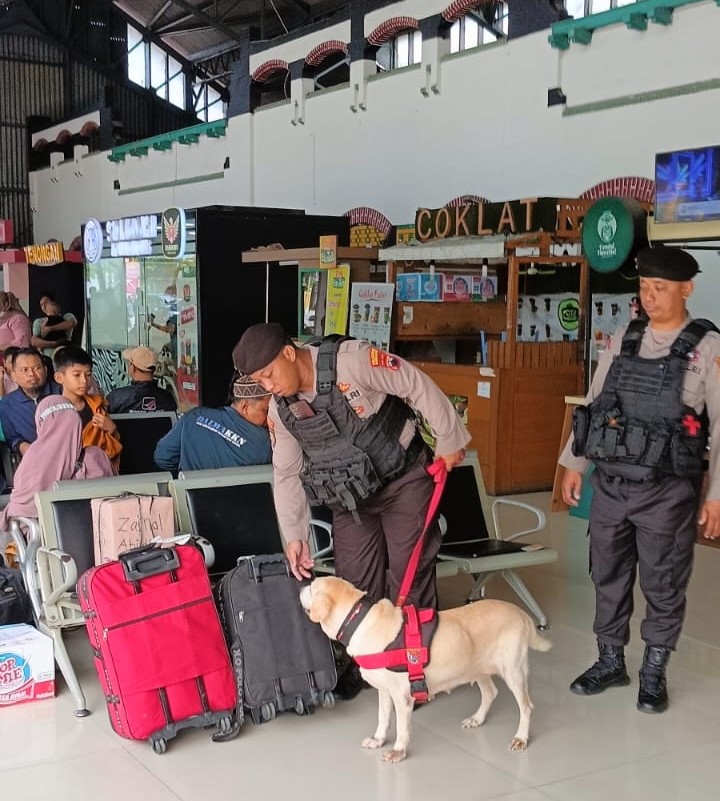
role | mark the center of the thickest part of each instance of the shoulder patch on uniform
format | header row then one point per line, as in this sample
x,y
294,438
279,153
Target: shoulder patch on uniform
x,y
380,358
343,387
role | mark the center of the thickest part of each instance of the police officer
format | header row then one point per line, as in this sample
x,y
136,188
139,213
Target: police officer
x,y
345,435
654,399
143,393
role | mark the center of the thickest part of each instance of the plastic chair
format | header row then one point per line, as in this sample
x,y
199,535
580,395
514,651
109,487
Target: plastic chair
x,y
474,540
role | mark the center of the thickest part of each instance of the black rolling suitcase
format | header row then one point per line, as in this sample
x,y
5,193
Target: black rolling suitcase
x,y
281,659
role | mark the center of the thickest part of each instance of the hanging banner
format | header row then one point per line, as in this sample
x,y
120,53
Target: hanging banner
x,y
338,296
371,312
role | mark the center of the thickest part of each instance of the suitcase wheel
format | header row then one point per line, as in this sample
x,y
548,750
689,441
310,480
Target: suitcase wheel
x,y
225,725
268,711
159,746
228,729
328,699
299,706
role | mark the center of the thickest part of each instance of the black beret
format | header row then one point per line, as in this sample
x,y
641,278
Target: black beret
x,y
258,346
671,264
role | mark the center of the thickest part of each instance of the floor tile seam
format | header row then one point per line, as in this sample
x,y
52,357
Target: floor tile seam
x,y
6,768
465,750
614,766
154,775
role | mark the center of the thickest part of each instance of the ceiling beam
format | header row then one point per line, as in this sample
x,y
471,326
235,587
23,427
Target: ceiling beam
x,y
159,14
202,26
213,52
220,26
304,7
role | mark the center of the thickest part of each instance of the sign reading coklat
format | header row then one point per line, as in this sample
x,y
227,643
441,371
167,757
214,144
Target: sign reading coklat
x,y
485,219
47,255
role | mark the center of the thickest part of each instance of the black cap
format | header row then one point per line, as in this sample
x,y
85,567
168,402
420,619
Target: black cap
x,y
671,264
258,346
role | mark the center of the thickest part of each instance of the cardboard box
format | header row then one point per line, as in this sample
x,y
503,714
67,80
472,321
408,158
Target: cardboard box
x,y
407,286
431,286
457,288
27,665
484,288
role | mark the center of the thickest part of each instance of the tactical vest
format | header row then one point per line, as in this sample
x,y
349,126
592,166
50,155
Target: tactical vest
x,y
347,459
638,427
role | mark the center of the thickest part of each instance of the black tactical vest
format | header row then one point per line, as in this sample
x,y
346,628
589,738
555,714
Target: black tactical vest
x,y
347,459
638,427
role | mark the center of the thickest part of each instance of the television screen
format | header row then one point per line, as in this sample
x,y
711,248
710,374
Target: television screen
x,y
687,185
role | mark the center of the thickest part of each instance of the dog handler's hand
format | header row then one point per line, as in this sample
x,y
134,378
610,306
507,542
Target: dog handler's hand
x,y
297,552
709,519
452,459
571,486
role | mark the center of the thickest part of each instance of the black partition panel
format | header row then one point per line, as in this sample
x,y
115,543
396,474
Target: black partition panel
x,y
232,295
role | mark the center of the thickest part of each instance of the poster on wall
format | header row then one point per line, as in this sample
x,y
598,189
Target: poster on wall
x,y
548,318
188,377
371,312
338,297
312,293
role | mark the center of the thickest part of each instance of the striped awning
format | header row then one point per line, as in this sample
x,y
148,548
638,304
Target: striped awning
x,y
391,27
463,200
318,54
634,186
266,69
364,215
460,8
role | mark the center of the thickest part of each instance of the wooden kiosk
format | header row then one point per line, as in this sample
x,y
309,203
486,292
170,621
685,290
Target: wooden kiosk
x,y
516,396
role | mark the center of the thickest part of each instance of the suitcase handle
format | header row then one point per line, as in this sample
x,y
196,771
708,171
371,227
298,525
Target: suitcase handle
x,y
260,567
141,563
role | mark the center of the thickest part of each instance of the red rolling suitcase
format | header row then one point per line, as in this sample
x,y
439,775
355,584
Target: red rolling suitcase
x,y
159,648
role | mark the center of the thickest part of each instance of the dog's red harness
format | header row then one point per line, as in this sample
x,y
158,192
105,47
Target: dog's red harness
x,y
410,650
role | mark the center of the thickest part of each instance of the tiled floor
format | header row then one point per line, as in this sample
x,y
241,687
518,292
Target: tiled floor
x,y
581,749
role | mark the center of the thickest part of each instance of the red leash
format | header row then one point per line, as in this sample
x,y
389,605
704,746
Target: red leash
x,y
438,472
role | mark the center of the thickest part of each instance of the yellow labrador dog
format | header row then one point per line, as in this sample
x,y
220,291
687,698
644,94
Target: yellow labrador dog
x,y
472,644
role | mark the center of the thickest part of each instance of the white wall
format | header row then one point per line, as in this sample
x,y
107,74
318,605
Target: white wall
x,y
488,132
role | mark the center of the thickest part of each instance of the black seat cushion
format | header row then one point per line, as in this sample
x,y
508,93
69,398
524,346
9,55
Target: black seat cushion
x,y
478,548
139,436
238,520
73,524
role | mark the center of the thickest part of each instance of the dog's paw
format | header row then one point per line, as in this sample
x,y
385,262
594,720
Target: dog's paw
x,y
517,744
394,756
372,742
472,722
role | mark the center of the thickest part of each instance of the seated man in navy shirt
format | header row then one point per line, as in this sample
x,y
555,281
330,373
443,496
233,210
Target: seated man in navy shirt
x,y
17,410
233,436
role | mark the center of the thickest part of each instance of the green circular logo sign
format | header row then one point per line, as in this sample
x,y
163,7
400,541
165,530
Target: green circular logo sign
x,y
569,314
609,233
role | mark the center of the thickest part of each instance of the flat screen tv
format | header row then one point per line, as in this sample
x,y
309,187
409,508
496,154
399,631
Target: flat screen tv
x,y
687,185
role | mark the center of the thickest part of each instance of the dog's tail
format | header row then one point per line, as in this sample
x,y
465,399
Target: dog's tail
x,y
538,643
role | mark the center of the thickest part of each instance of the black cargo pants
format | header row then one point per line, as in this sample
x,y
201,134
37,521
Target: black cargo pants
x,y
650,528
373,555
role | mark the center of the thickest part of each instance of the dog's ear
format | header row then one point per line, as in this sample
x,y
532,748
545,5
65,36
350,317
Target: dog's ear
x,y
320,607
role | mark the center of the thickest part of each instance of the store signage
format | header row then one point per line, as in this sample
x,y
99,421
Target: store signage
x,y
484,219
613,230
6,232
93,241
47,255
132,236
173,233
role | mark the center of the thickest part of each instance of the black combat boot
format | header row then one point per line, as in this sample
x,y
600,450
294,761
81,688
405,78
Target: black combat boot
x,y
608,671
653,696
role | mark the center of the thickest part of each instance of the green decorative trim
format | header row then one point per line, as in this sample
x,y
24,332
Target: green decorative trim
x,y
643,97
185,136
634,16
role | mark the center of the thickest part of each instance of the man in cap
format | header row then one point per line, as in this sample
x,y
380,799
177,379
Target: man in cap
x,y
653,402
143,394
233,436
345,435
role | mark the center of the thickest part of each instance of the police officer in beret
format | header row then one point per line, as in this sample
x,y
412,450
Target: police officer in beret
x,y
653,403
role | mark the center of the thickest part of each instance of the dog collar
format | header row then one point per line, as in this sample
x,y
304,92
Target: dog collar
x,y
354,618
